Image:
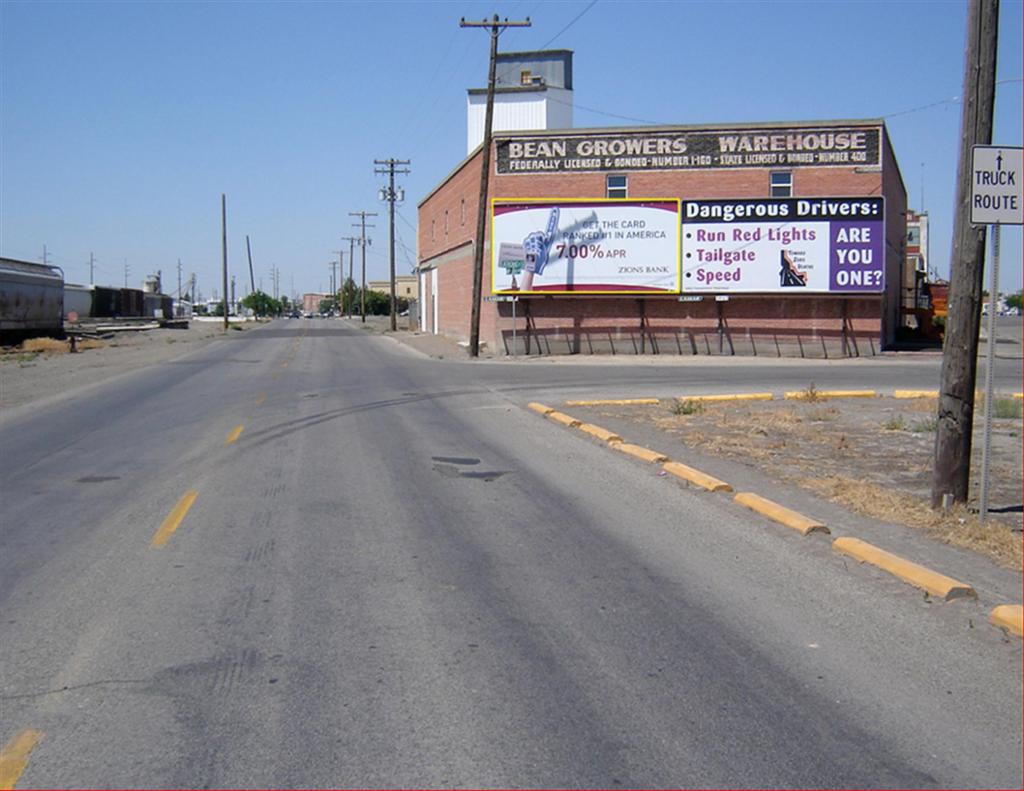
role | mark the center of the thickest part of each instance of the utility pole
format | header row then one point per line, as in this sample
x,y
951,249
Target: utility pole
x,y
363,241
340,279
248,252
224,251
179,279
496,26
391,196
46,259
960,350
126,273
233,303
351,253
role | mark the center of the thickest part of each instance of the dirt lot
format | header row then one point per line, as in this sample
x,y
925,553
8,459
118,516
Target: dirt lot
x,y
43,366
871,455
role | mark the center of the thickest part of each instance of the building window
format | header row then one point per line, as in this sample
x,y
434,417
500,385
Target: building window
x,y
782,184
914,235
616,187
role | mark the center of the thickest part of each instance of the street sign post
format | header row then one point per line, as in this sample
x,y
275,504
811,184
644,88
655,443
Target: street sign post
x,y
996,201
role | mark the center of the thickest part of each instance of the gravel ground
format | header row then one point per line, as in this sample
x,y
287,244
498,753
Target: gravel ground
x,y
26,377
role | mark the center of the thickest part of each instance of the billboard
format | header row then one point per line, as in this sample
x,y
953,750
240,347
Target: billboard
x,y
695,149
610,246
783,245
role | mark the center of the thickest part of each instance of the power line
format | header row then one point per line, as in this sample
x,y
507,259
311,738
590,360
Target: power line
x,y
572,22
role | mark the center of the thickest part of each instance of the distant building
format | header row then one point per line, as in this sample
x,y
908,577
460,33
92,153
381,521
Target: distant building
x,y
406,286
914,295
311,302
532,91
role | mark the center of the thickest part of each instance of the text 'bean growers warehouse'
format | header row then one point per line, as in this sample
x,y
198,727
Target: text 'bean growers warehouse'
x,y
769,238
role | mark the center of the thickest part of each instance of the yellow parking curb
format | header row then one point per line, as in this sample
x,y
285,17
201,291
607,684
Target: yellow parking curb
x,y
565,420
697,477
915,394
614,402
936,584
640,452
1009,617
801,395
600,433
780,513
544,410
728,397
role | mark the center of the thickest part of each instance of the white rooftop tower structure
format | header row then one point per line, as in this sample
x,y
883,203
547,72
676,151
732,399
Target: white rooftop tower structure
x,y
532,90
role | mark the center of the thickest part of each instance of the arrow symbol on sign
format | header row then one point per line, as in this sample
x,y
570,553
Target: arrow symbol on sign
x,y
999,161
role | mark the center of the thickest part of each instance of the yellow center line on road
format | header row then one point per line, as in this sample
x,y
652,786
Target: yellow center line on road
x,y
261,398
236,432
174,519
14,756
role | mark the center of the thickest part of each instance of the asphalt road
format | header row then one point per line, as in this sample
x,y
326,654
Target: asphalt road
x,y
396,576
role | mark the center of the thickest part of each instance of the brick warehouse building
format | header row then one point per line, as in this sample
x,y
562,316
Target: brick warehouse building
x,y
774,174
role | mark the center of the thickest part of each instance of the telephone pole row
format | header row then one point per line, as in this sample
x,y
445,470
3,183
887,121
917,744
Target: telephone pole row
x,y
389,194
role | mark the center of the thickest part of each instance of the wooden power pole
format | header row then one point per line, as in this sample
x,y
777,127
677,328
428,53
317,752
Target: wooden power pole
x,y
496,26
967,268
224,251
351,254
391,196
363,241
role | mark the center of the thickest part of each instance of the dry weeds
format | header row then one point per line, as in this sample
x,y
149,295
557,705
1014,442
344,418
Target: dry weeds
x,y
873,456
958,526
54,346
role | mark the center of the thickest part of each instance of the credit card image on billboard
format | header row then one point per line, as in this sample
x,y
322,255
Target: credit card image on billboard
x,y
511,258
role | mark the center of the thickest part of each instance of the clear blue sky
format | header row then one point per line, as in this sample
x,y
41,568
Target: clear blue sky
x,y
122,123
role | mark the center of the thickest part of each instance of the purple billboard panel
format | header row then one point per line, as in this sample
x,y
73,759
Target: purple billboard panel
x,y
784,245
857,256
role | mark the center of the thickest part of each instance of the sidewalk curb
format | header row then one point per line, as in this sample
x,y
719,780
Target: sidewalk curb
x,y
696,477
597,431
728,397
781,514
640,452
933,582
802,395
1009,617
614,402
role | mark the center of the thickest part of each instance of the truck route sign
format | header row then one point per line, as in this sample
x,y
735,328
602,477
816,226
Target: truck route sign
x,y
996,185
